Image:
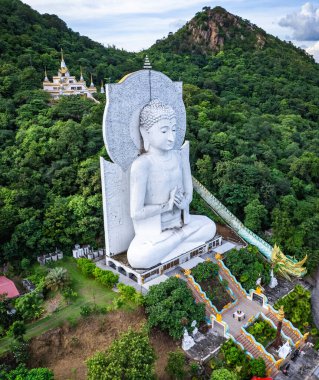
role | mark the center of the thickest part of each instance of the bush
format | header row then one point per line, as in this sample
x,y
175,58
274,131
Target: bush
x,y
204,271
297,307
263,332
170,303
258,367
247,265
22,373
105,277
223,374
69,294
126,291
17,330
86,267
86,310
129,357
176,365
20,351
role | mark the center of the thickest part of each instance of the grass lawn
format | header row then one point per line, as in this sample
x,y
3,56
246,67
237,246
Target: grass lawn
x,y
89,292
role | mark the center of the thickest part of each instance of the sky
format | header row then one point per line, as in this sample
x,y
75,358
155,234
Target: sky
x,y
134,25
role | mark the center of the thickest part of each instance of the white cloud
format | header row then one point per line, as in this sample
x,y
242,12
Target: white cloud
x,y
88,10
314,51
304,23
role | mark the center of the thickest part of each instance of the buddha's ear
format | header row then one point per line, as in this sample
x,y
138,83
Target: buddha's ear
x,y
146,143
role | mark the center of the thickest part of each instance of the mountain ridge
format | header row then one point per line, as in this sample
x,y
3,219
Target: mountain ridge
x,y
215,29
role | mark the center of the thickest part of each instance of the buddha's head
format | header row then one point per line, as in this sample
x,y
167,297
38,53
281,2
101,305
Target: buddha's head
x,y
158,125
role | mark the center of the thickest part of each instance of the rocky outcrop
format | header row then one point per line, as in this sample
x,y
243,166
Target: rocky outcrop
x,y
212,30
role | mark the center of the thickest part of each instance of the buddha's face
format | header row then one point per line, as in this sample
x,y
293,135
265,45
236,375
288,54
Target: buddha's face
x,y
162,134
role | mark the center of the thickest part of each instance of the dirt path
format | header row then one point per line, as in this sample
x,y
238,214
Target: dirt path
x,y
65,349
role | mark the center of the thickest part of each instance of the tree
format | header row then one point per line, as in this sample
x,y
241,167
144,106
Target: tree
x,y
176,365
223,374
129,357
170,303
17,330
57,278
29,306
255,214
258,367
204,271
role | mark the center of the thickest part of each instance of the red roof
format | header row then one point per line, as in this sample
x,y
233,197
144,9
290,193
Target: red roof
x,y
7,287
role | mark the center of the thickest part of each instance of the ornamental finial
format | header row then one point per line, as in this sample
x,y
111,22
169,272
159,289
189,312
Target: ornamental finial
x,y
45,75
281,313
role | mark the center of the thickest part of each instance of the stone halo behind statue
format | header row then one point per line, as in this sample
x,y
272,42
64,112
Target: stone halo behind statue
x,y
125,101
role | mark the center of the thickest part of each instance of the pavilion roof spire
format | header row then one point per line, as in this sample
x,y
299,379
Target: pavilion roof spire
x,y
81,77
147,64
45,75
92,84
63,65
102,87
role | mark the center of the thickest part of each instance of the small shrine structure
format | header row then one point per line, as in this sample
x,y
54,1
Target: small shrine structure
x,y
64,84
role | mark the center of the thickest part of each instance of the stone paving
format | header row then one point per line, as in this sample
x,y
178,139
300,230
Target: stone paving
x,y
250,308
304,367
206,346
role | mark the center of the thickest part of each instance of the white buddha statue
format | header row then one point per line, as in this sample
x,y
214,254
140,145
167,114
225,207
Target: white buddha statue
x,y
160,194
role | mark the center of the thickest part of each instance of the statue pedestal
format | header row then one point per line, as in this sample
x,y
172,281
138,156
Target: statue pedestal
x,y
120,264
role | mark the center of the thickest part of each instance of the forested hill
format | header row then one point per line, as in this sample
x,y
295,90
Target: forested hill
x,y
252,120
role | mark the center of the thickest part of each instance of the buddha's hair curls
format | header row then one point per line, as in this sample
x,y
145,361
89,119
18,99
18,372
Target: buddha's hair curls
x,y
154,111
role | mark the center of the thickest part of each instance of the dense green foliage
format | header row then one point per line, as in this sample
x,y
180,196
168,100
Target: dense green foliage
x,y
130,357
29,306
223,374
247,265
171,307
27,374
105,277
297,308
17,330
258,367
232,358
206,275
205,271
262,331
175,367
252,121
129,293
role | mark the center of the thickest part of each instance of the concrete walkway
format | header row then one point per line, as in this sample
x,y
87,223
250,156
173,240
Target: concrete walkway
x,y
250,308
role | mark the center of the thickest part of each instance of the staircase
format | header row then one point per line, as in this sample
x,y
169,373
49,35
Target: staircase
x,y
238,291
287,330
198,299
255,352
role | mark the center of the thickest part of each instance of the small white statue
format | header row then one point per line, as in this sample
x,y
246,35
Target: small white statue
x,y
284,350
273,280
258,282
195,331
188,342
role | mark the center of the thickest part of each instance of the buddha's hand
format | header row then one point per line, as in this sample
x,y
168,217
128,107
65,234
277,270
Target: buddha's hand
x,y
168,206
180,200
